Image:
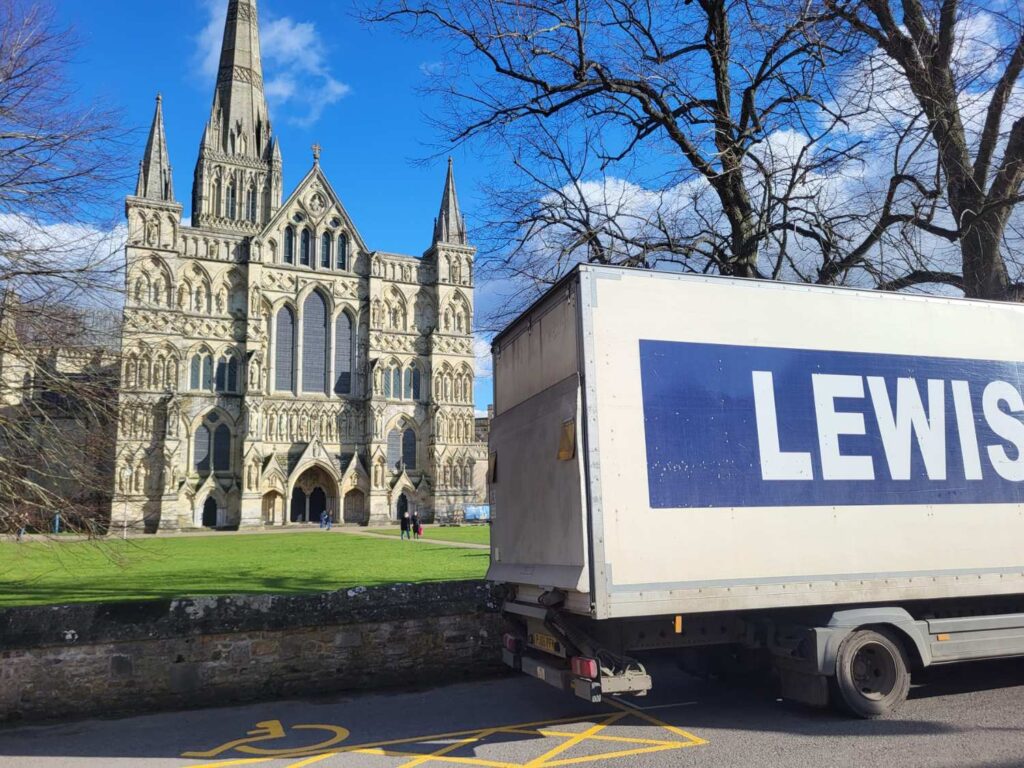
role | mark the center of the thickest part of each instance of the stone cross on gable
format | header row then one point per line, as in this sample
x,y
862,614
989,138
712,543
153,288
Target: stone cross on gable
x,y
317,149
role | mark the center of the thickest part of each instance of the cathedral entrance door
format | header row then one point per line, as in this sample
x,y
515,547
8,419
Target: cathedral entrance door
x,y
317,504
355,507
403,506
210,513
298,514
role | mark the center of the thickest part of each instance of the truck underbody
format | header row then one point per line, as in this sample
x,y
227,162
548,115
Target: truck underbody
x,y
857,657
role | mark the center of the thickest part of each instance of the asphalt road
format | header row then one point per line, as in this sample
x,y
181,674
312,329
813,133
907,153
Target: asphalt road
x,y
965,716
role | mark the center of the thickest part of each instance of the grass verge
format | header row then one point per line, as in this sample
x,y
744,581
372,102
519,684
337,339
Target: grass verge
x,y
52,573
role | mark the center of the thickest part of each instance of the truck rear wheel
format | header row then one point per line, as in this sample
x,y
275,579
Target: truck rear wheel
x,y
872,674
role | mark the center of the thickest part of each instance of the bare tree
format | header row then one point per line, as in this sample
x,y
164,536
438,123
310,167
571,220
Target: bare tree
x,y
61,162
690,91
972,113
745,137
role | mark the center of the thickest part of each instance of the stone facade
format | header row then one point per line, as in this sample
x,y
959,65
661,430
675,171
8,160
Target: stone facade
x,y
274,366
91,660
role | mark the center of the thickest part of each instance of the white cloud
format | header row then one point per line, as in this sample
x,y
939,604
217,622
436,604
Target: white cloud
x,y
482,350
299,80
432,68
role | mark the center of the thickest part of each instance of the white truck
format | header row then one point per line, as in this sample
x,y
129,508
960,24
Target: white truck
x,y
831,478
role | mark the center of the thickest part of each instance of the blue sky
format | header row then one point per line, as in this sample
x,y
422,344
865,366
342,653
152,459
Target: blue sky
x,y
334,81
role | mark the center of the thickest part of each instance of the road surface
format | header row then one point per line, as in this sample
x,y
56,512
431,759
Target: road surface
x,y
960,716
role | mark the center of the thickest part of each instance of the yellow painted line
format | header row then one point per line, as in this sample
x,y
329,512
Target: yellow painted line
x,y
310,761
563,735
246,761
449,748
542,728
570,743
697,740
618,755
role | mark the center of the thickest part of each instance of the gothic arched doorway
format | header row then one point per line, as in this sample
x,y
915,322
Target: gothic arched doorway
x,y
314,493
298,511
210,513
402,507
355,507
317,504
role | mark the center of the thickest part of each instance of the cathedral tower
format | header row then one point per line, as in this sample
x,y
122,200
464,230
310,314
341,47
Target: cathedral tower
x,y
237,185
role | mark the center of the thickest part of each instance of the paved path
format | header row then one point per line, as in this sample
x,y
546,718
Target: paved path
x,y
457,544
968,717
309,528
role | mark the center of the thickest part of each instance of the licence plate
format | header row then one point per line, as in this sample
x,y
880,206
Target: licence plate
x,y
546,643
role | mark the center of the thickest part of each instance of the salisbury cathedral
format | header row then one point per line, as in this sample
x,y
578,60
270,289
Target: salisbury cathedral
x,y
274,366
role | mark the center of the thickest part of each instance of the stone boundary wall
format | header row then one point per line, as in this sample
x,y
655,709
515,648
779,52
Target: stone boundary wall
x,y
99,659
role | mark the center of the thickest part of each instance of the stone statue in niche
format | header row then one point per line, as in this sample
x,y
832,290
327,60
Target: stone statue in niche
x,y
152,233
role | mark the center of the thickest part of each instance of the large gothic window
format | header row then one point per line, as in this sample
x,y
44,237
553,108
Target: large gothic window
x,y
232,201
222,449
251,205
325,250
409,449
394,448
289,245
306,248
202,449
342,251
343,355
218,194
314,344
284,358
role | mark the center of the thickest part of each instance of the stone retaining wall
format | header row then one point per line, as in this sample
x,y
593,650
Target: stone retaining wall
x,y
86,660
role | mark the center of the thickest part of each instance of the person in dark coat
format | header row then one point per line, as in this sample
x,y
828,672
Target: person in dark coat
x,y
406,524
416,528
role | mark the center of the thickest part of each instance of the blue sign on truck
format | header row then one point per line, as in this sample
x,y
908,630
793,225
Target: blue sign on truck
x,y
738,426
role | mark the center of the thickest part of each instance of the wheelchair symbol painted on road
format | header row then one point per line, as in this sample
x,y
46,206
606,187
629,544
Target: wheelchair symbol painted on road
x,y
560,740
273,730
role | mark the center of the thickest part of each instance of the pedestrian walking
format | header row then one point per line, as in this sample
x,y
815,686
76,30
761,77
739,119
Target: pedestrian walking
x,y
323,519
56,523
328,520
406,525
417,529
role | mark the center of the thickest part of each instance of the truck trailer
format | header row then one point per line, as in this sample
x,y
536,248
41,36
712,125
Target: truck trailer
x,y
829,480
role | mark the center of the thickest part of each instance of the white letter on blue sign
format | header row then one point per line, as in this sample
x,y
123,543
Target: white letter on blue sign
x,y
832,424
1007,427
910,417
775,464
967,429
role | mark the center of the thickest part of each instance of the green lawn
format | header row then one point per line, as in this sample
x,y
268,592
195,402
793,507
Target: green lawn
x,y
37,573
467,534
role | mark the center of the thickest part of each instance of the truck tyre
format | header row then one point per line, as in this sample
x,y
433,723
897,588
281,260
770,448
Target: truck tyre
x,y
872,674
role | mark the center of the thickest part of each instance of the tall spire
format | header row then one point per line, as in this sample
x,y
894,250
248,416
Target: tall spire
x,y
155,178
449,226
239,99
237,184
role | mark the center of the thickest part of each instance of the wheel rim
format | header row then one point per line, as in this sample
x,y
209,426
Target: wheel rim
x,y
873,670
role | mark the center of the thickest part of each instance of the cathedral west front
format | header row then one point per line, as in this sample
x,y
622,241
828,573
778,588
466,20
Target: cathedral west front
x,y
274,366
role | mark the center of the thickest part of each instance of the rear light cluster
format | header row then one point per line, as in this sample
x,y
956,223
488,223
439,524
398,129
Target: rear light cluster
x,y
512,643
587,668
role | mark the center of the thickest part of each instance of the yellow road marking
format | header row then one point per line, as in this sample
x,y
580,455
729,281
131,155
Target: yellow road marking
x,y
450,748
543,728
697,740
615,755
570,743
564,735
